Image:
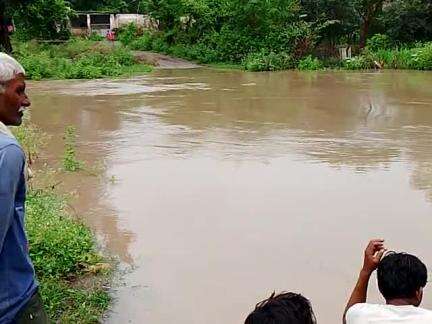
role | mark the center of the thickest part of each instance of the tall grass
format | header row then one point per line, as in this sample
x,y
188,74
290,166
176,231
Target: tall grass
x,y
416,58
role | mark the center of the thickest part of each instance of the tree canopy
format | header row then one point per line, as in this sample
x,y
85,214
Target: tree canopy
x,y
246,23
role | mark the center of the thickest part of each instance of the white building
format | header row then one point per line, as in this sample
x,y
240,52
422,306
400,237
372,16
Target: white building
x,y
86,23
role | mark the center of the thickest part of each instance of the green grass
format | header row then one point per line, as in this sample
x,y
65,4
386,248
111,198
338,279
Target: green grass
x,y
70,160
77,59
71,272
62,250
417,58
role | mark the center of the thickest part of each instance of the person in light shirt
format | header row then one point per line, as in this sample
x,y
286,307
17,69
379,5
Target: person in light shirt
x,y
401,278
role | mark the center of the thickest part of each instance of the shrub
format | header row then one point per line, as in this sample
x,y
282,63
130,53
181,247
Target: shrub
x,y
263,61
379,42
38,66
358,63
128,34
403,59
158,44
96,37
310,63
76,59
142,43
422,57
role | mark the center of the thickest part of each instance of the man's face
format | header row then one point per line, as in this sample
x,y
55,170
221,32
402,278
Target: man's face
x,y
13,101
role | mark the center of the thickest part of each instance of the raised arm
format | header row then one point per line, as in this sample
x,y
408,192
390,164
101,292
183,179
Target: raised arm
x,y
372,255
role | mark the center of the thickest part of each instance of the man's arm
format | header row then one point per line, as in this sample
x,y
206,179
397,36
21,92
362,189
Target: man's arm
x,y
372,255
11,168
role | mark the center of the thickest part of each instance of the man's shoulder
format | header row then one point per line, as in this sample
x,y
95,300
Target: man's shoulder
x,y
358,313
11,149
362,308
6,141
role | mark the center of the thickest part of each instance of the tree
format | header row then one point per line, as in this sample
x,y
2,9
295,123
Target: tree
x,y
407,21
106,5
43,19
4,33
368,11
334,21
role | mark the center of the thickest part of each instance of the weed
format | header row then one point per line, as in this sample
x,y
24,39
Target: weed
x,y
62,249
263,61
70,161
310,63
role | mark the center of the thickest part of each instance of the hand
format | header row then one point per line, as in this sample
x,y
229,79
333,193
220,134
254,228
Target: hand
x,y
372,255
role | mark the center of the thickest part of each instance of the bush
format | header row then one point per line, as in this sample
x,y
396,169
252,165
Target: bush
x,y
96,37
142,43
128,34
263,61
403,59
310,63
38,66
358,63
422,57
379,42
158,44
76,59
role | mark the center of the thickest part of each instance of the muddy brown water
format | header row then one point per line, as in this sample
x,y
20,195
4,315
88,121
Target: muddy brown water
x,y
222,186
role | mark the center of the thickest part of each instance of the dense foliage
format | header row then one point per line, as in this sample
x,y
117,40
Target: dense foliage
x,y
259,34
76,59
279,34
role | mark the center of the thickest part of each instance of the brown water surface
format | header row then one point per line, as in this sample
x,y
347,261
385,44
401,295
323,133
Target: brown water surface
x,y
222,186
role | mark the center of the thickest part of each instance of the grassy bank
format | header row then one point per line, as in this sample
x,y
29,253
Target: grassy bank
x,y
76,59
415,58
71,272
379,50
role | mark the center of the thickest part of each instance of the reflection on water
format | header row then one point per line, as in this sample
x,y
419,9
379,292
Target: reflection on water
x,y
229,185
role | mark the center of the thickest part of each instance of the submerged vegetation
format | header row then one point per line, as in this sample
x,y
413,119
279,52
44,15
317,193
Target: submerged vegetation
x,y
70,160
71,272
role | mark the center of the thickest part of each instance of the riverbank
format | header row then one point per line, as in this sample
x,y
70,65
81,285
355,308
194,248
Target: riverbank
x,y
77,58
72,273
379,53
81,58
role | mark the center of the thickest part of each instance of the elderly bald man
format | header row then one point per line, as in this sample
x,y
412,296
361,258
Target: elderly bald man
x,y
20,301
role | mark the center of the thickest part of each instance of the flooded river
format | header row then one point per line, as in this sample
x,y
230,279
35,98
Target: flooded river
x,y
222,186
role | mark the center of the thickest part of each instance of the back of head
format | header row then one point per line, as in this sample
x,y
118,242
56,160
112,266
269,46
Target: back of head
x,y
286,308
401,276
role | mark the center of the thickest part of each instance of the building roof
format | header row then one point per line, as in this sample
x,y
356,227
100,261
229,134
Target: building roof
x,y
97,12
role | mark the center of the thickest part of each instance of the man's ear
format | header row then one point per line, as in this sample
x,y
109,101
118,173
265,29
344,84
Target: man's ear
x,y
419,296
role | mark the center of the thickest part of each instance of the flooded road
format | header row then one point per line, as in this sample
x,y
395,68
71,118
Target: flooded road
x,y
222,186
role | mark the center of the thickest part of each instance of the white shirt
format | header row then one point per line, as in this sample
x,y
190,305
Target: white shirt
x,y
387,314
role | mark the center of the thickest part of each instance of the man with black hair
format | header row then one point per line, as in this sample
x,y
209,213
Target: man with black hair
x,y
401,278
286,308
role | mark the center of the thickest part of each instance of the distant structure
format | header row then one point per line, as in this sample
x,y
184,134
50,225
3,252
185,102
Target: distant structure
x,y
345,52
86,23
